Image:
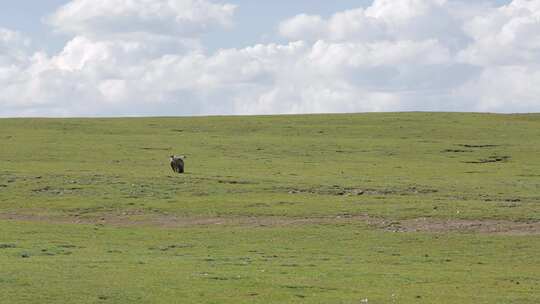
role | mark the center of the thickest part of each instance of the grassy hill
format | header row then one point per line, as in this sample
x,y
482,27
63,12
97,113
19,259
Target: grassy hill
x,y
364,208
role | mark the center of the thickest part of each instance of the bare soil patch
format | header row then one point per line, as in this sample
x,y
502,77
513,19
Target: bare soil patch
x,y
428,225
456,151
491,159
479,146
346,191
478,226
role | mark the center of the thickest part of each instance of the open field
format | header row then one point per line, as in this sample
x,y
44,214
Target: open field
x,y
365,208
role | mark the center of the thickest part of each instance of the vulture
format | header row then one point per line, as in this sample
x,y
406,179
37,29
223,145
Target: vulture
x,y
177,163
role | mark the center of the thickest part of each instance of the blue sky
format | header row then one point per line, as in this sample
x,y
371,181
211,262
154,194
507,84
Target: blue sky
x,y
200,57
255,21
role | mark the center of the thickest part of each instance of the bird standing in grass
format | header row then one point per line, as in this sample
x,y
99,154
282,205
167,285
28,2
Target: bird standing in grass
x,y
177,163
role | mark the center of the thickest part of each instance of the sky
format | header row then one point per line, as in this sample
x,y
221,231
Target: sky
x,y
64,58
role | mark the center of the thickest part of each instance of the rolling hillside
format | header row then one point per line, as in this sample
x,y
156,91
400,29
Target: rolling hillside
x,y
363,208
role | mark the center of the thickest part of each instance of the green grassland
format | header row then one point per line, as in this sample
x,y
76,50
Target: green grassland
x,y
89,209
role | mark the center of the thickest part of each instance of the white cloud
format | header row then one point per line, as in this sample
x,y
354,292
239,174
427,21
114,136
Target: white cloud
x,y
13,47
383,20
503,89
128,17
303,27
144,57
385,53
507,35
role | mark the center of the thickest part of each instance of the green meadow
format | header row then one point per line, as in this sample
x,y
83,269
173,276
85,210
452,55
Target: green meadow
x,y
359,208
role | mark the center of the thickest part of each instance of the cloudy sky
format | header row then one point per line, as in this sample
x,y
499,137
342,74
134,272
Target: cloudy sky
x,y
205,57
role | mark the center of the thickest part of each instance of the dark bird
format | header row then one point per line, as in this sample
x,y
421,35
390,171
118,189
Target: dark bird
x,y
177,163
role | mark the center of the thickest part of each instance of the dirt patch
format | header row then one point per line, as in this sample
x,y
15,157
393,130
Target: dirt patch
x,y
156,149
139,218
428,225
7,246
56,191
479,146
345,191
477,226
456,151
225,181
236,182
491,159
